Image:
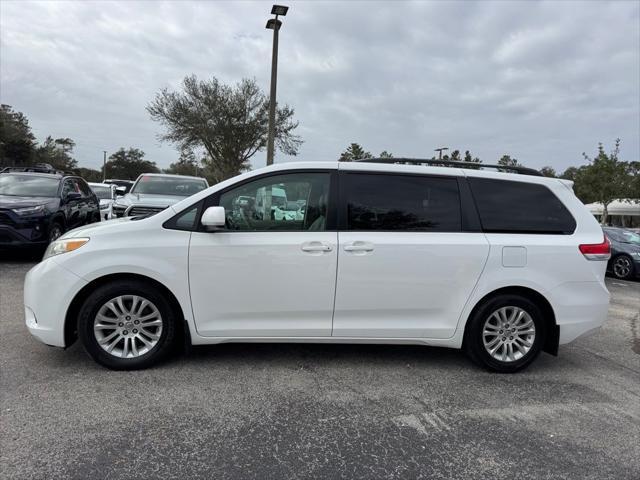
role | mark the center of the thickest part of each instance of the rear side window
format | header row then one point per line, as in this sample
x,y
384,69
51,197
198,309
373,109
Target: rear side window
x,y
401,203
518,207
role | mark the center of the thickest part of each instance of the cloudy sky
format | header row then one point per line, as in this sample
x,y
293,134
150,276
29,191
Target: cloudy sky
x,y
540,81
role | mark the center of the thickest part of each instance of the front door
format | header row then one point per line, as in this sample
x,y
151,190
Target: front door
x,y
405,268
272,271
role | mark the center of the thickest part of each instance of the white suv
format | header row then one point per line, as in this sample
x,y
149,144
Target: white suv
x,y
503,265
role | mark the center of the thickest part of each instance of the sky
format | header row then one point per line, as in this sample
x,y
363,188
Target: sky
x,y
540,81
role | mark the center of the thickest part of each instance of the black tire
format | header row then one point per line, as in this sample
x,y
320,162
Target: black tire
x,y
473,340
622,267
55,230
102,295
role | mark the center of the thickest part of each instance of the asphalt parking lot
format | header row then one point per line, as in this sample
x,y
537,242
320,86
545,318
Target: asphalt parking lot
x,y
320,411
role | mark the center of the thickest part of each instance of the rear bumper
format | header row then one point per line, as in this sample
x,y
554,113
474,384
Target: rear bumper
x,y
48,292
580,308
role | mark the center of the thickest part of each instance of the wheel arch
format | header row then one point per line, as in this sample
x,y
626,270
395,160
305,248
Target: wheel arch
x,y
552,329
70,321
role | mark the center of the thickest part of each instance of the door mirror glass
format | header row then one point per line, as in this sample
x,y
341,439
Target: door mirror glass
x,y
213,217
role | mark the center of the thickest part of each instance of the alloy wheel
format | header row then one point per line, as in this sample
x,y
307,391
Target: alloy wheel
x,y
508,334
128,326
622,267
55,233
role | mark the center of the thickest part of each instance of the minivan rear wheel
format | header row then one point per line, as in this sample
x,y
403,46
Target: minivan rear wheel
x,y
505,334
126,325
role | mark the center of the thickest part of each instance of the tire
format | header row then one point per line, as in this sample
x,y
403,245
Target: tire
x,y
134,336
622,267
512,350
55,230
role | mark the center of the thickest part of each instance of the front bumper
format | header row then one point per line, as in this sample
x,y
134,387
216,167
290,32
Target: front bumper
x,y
48,291
18,231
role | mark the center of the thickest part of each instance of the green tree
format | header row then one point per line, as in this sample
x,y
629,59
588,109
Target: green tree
x,y
455,156
385,154
129,164
17,143
354,152
548,172
89,174
605,179
507,161
57,153
469,159
186,164
229,122
570,174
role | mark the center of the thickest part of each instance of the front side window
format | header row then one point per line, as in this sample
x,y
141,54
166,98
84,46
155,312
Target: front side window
x,y
288,202
519,207
411,203
28,186
102,192
158,185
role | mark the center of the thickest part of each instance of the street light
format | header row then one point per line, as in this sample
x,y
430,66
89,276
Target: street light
x,y
439,150
274,24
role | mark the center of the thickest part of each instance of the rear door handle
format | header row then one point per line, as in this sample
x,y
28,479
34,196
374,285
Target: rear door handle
x,y
316,247
359,247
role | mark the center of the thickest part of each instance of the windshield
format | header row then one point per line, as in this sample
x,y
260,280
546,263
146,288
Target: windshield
x,y
103,193
28,186
182,187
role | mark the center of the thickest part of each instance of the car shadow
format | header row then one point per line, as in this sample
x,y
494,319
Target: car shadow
x,y
21,255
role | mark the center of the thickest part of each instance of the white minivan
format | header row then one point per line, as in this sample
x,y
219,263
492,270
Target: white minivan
x,y
504,265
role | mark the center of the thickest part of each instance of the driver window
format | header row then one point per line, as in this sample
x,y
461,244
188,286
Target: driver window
x,y
289,202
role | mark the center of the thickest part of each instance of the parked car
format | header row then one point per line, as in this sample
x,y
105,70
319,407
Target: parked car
x,y
502,265
37,205
123,186
106,193
625,252
153,192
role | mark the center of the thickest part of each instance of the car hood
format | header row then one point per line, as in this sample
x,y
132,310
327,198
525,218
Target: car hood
x,y
98,227
10,201
149,199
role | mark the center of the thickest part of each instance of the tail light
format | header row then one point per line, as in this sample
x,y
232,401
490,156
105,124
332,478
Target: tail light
x,y
596,251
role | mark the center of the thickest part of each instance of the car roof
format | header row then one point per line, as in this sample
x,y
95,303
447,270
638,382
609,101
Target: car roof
x,y
170,175
37,174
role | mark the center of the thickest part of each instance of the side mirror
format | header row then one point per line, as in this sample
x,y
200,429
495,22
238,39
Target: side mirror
x,y
73,196
120,191
214,218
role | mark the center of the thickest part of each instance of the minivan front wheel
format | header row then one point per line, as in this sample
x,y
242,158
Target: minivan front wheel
x,y
126,325
505,334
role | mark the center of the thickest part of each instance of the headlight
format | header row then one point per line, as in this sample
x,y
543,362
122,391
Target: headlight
x,y
104,207
24,211
64,246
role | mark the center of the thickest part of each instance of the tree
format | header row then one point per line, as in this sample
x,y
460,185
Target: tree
x,y
129,164
548,172
56,153
354,152
17,143
89,174
469,159
385,154
229,122
570,174
605,179
507,161
455,156
186,164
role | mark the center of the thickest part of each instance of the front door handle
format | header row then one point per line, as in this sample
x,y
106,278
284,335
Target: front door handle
x,y
359,247
316,247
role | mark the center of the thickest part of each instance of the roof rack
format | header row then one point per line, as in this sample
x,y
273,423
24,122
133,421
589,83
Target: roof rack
x,y
451,163
37,168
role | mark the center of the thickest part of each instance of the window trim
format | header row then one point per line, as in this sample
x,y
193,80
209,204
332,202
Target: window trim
x,y
469,221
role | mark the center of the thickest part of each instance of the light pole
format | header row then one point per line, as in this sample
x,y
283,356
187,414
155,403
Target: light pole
x,y
439,150
104,165
274,24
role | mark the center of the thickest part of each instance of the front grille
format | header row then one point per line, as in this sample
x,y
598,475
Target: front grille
x,y
141,210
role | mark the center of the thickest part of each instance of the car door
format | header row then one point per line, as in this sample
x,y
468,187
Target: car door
x,y
405,266
72,206
268,275
89,208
